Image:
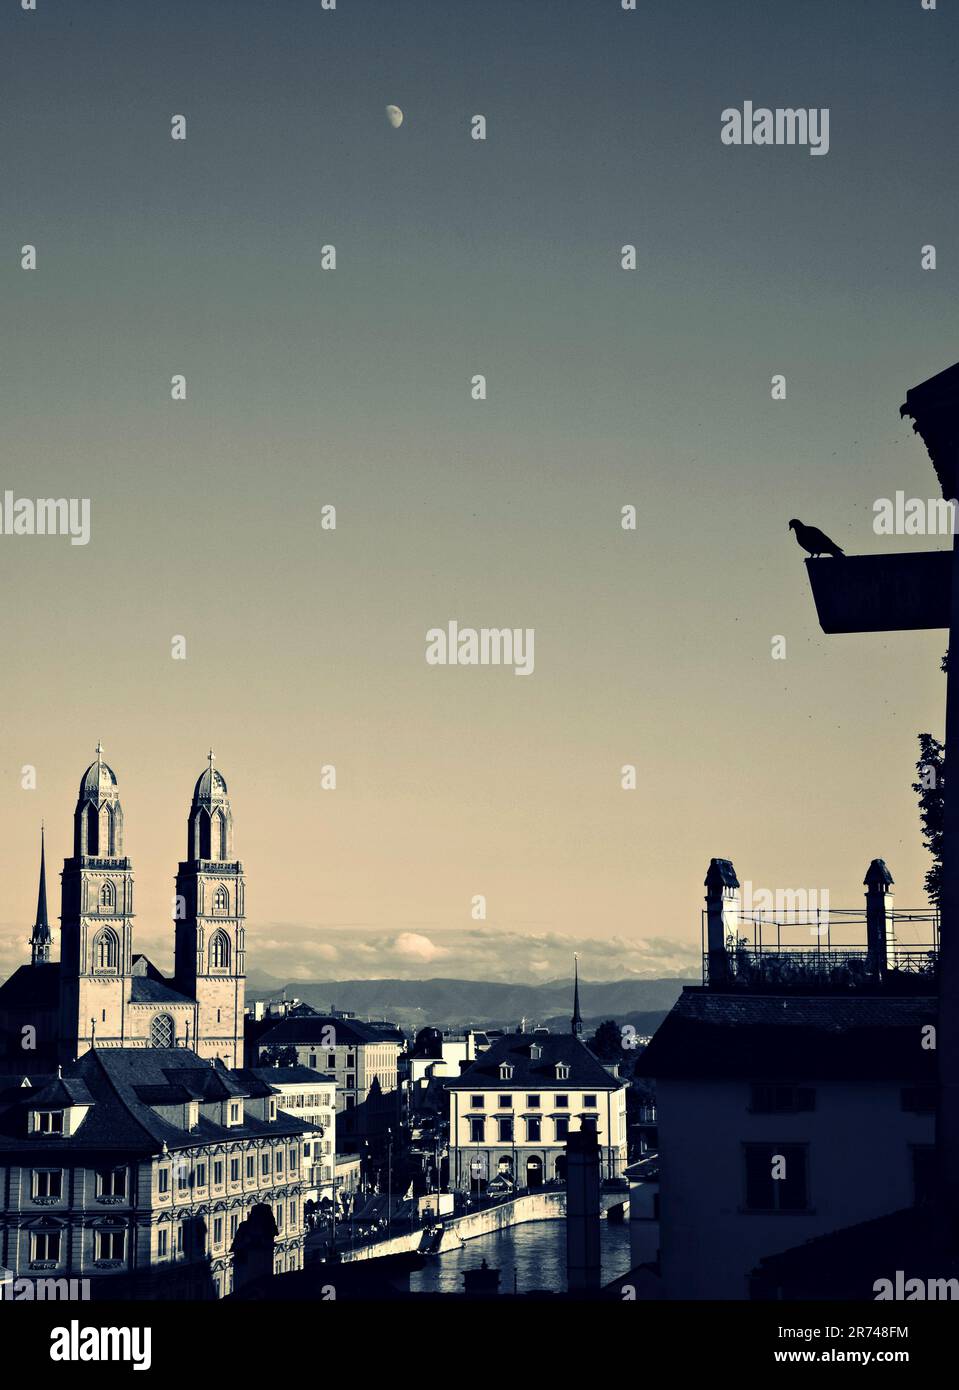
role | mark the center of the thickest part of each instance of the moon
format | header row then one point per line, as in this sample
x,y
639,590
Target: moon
x,y
395,116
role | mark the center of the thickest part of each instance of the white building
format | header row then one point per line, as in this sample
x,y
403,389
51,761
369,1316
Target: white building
x,y
310,1096
512,1111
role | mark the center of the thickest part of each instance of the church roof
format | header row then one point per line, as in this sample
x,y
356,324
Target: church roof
x,y
99,777
145,989
210,785
32,987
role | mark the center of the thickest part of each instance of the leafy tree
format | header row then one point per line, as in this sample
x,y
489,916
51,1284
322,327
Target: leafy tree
x,y
608,1041
930,790
277,1056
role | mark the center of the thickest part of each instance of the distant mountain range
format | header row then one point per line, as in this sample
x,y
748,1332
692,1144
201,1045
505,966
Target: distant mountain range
x,y
415,1004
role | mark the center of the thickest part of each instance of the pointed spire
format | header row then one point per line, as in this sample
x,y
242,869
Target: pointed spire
x,y
41,938
577,1019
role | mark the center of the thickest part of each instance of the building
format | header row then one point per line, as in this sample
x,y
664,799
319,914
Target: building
x,y
361,1059
795,1091
137,1168
309,1096
100,993
513,1110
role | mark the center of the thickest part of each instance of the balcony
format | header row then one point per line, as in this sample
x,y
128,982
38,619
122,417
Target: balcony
x,y
826,952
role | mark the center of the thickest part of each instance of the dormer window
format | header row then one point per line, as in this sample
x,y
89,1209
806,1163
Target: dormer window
x,y
272,1108
193,1115
48,1121
236,1112
535,1052
505,1071
562,1071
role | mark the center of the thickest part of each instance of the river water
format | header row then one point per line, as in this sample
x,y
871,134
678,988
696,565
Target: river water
x,y
535,1253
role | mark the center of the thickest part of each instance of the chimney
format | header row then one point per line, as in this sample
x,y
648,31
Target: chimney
x,y
582,1208
880,931
722,918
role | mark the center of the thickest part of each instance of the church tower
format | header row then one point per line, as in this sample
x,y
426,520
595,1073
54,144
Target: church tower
x,y
210,950
41,939
96,919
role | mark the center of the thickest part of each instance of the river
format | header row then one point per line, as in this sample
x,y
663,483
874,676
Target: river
x,y
534,1253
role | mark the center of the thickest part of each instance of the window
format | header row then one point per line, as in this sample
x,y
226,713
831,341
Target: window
x,y
108,897
49,1122
221,900
505,1123
562,1102
279,1162
234,1112
163,1180
505,1102
272,1109
532,1102
47,1184
505,1071
201,1175
265,1165
279,1216
589,1102
45,1247
220,951
161,1031
217,1230
350,1079
182,1176
293,1215
312,1059
218,1173
786,1191
533,1128
179,1239
562,1127
293,1160
234,1170
768,1098
112,1182
562,1071
234,1224
163,1243
476,1102
477,1131
250,1167
106,950
110,1245
331,1060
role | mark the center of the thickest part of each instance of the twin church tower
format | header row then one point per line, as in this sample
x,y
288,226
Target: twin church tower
x,y
106,995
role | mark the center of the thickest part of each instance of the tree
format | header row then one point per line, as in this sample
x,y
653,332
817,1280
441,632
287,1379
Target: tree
x,y
608,1041
930,790
277,1056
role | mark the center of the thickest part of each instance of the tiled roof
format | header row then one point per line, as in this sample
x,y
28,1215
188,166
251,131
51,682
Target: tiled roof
x,y
529,1070
317,1029
290,1076
146,990
797,1037
121,1085
32,986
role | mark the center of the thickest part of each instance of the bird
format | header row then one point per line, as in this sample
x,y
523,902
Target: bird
x,y
813,540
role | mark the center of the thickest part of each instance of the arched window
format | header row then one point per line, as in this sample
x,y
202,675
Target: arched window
x,y
218,836
107,833
108,897
204,834
221,900
92,819
162,1031
106,950
220,951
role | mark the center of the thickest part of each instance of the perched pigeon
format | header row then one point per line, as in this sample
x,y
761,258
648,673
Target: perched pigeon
x,y
813,540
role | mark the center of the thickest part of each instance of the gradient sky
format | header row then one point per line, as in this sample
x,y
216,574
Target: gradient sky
x,y
351,387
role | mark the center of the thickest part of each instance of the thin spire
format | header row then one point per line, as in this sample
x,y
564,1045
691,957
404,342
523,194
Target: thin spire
x,y
577,1020
40,940
99,753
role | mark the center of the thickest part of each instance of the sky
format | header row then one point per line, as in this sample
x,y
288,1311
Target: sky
x,y
308,388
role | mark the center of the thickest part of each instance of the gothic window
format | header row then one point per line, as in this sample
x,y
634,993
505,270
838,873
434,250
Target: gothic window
x,y
108,837
161,1031
220,951
218,836
221,900
93,830
106,950
204,834
107,896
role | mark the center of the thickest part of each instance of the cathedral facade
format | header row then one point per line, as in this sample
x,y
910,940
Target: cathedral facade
x,y
101,993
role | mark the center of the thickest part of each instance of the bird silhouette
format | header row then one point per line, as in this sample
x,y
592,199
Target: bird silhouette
x,y
813,540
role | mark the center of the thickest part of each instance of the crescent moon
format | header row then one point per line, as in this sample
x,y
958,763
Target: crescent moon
x,y
395,116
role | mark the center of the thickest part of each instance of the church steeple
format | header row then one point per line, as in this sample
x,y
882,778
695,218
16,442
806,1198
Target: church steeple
x,y
577,1019
41,940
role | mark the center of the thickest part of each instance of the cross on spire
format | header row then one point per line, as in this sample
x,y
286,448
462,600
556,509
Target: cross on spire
x,y
211,758
99,752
